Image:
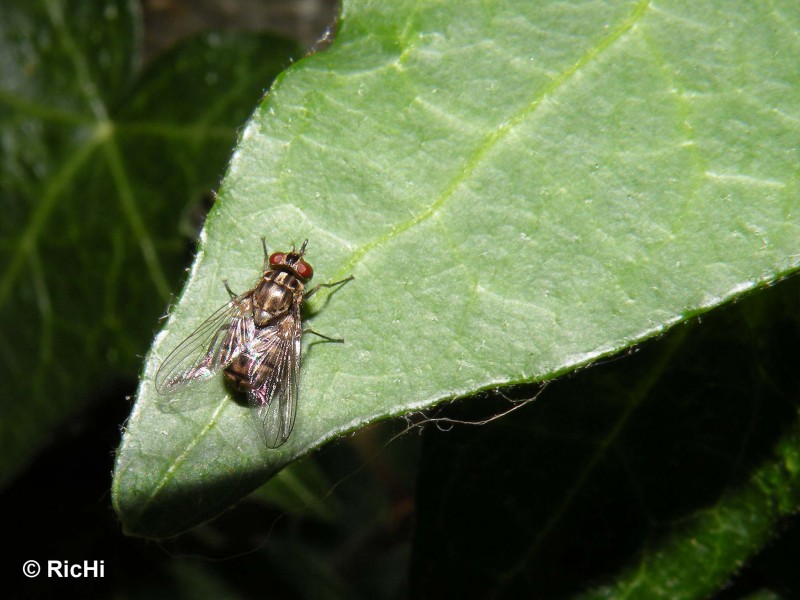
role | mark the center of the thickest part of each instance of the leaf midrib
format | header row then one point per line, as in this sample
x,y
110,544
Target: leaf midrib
x,y
174,465
492,139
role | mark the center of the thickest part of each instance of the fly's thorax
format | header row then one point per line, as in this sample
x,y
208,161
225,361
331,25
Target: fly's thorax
x,y
277,294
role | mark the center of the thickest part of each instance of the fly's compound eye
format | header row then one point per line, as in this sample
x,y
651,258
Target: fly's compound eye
x,y
304,270
276,259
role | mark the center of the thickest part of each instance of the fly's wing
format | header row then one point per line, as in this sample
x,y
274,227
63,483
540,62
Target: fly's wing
x,y
274,378
213,345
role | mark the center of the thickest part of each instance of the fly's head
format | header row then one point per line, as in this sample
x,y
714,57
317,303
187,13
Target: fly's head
x,y
293,262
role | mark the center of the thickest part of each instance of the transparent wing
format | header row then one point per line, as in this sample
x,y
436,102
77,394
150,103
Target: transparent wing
x,y
213,345
274,379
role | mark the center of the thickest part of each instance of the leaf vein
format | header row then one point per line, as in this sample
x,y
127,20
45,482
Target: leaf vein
x,y
39,215
85,83
181,458
491,140
135,220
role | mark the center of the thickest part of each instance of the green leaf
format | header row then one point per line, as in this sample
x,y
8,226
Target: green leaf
x,y
518,188
99,167
657,476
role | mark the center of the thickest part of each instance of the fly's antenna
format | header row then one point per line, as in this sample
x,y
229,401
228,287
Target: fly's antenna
x,y
303,248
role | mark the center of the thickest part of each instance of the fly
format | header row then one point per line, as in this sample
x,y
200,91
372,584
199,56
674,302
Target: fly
x,y
254,340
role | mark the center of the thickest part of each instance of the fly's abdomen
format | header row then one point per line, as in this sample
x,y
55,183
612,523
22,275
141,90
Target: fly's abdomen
x,y
246,372
238,372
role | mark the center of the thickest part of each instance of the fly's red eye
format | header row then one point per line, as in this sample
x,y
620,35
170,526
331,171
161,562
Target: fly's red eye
x,y
304,270
276,259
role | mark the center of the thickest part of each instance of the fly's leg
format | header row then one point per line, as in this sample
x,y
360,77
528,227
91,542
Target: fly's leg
x,y
228,288
315,289
266,255
324,337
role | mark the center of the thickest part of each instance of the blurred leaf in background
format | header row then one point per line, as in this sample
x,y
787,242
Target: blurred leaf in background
x,y
658,475
102,166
